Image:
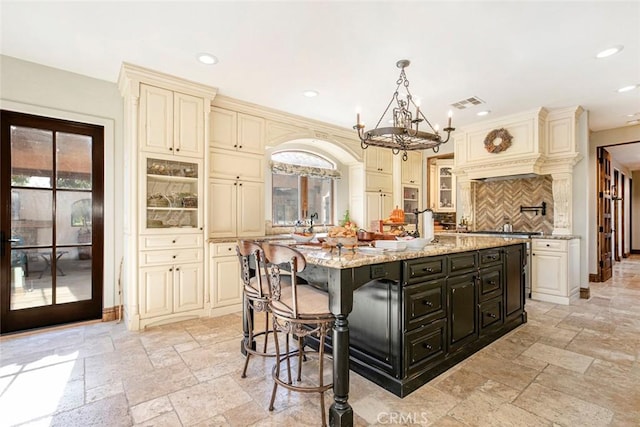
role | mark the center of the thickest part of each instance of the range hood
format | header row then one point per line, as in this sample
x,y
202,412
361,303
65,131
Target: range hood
x,y
541,142
507,177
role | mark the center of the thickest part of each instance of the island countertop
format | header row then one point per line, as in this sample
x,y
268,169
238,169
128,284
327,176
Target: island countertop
x,y
349,258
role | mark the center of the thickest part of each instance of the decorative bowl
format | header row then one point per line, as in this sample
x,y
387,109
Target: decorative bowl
x,y
415,243
302,238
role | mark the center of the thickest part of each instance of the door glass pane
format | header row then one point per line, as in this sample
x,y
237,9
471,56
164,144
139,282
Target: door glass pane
x,y
73,217
31,216
285,199
73,157
31,157
73,274
320,198
31,284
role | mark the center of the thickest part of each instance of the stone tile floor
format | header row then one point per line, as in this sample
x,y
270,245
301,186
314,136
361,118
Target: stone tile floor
x,y
574,365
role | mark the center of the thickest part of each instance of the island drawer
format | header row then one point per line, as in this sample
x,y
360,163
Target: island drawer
x,y
423,303
425,345
490,256
490,314
463,263
423,269
490,282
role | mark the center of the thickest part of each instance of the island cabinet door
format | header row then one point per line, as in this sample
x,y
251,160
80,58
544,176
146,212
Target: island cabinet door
x,y
425,346
514,282
463,323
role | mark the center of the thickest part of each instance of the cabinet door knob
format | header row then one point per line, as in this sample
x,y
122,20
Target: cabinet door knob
x,y
492,315
171,269
228,249
240,146
235,145
173,241
548,245
240,184
177,268
177,149
170,148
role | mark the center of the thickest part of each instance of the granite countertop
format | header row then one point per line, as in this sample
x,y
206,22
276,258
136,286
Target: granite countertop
x,y
349,258
542,236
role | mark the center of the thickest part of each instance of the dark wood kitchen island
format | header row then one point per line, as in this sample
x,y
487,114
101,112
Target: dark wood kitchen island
x,y
403,318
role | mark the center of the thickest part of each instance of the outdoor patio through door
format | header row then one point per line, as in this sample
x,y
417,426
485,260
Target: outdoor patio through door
x,y
51,193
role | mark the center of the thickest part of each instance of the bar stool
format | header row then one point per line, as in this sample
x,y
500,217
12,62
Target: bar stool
x,y
256,294
298,310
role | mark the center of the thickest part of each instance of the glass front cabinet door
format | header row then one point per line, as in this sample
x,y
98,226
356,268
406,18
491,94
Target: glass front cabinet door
x,y
173,191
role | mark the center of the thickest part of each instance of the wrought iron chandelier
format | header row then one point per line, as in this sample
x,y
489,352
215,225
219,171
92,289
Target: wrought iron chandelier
x,y
405,134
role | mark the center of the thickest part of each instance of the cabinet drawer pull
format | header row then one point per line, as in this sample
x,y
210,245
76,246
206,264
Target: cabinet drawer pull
x,y
428,303
428,269
174,257
548,245
173,241
492,283
427,346
492,315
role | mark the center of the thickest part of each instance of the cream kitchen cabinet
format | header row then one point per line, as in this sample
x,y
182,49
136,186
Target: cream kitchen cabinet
x,y
172,190
378,160
442,186
171,122
236,208
378,206
225,280
412,169
170,290
237,166
235,131
555,270
165,131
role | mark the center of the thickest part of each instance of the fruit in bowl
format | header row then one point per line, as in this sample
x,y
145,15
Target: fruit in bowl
x,y
302,237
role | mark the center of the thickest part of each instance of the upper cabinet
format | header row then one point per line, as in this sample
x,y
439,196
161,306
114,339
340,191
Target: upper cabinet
x,y
231,130
378,160
412,168
442,186
171,122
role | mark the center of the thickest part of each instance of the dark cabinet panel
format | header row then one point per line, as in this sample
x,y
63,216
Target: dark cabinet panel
x,y
463,325
491,282
424,269
490,256
514,281
424,302
490,314
425,345
463,263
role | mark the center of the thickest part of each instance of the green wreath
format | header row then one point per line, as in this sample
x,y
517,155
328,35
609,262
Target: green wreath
x,y
505,142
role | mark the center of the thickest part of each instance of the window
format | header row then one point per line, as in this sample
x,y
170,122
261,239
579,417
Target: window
x,y
302,186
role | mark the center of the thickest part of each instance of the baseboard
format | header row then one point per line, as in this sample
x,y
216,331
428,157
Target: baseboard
x,y
594,278
635,251
110,314
585,293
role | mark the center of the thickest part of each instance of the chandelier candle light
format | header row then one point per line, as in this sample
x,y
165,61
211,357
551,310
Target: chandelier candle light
x,y
405,134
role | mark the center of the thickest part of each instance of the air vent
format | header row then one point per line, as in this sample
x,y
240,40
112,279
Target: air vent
x,y
467,103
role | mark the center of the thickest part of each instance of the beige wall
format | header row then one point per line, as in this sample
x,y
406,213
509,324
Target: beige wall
x,y
36,89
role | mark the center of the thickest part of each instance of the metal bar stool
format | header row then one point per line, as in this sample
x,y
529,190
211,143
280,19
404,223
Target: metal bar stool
x,y
298,310
256,296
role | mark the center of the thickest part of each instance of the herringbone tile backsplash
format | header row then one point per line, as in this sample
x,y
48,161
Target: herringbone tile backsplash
x,y
497,200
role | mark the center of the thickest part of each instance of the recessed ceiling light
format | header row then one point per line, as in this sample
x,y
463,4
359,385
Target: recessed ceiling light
x,y
628,88
207,58
483,113
310,93
609,51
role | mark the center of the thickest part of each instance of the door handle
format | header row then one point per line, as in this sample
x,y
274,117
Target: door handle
x,y
4,241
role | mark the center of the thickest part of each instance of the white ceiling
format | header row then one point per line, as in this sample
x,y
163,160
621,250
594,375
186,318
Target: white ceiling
x,y
514,55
